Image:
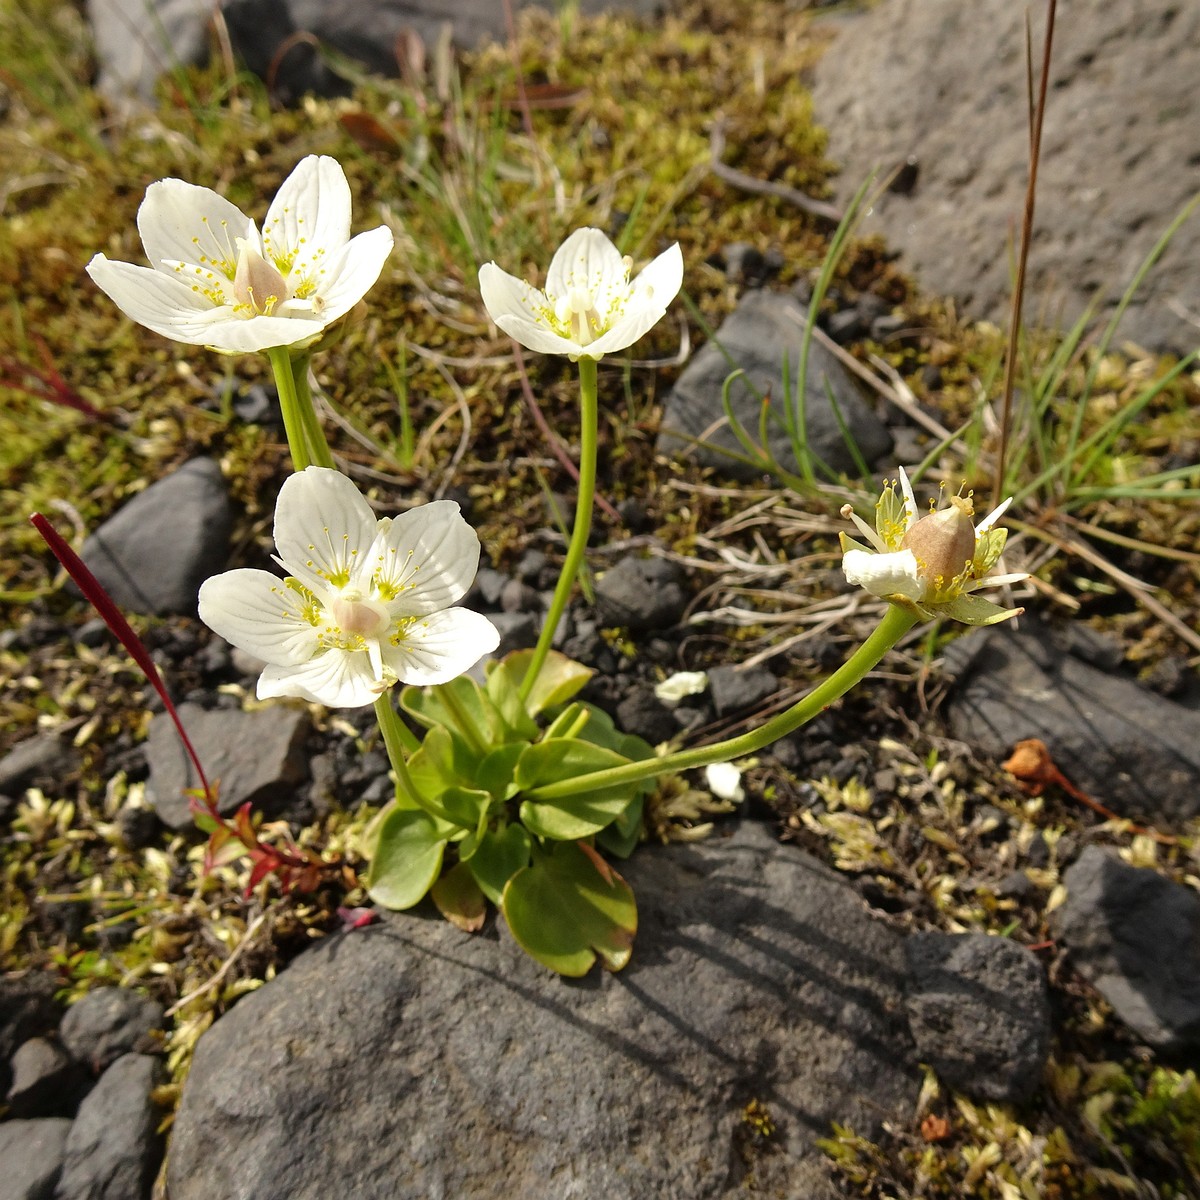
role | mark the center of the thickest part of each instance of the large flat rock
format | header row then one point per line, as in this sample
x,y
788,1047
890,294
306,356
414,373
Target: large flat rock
x,y
408,1060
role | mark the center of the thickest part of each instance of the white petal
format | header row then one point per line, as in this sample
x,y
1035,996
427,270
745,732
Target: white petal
x,y
191,224
256,612
885,574
661,280
538,337
336,678
428,556
910,501
323,529
506,295
993,516
257,333
624,333
587,259
441,646
310,215
352,272
996,580
725,782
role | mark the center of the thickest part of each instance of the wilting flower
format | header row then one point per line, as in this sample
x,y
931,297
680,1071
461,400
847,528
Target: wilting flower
x,y
215,280
931,564
366,602
725,782
590,307
679,686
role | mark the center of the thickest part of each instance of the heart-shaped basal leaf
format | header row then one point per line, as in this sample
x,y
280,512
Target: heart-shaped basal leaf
x,y
429,706
569,907
459,899
574,816
558,680
408,857
496,857
622,836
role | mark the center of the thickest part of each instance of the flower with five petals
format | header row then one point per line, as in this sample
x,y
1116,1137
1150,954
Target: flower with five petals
x,y
591,307
216,280
931,564
366,603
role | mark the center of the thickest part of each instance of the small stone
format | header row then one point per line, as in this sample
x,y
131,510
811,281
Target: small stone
x,y
488,586
31,1157
643,713
518,597
139,826
979,1013
733,689
107,1023
846,325
641,594
532,567
156,551
27,1009
518,631
1135,936
46,1081
37,761
113,1148
257,756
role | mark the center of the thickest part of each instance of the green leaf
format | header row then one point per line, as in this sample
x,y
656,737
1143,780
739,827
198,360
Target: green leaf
x,y
407,858
459,899
496,772
558,680
429,708
975,610
568,907
574,816
496,857
622,836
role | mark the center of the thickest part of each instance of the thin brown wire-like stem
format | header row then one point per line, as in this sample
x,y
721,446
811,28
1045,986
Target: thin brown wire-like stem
x,y
1014,331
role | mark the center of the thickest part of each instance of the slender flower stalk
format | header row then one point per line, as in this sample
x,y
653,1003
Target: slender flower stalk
x,y
589,420
896,622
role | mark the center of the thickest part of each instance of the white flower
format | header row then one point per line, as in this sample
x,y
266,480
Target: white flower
x,y
590,307
676,687
931,564
214,280
366,602
725,782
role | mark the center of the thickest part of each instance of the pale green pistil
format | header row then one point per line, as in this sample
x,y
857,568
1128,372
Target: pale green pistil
x,y
257,286
356,614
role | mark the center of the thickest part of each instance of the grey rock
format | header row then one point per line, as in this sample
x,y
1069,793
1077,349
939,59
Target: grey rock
x,y
641,594
113,1150
40,759
258,756
156,551
27,1009
32,1155
733,689
1133,750
488,585
641,712
518,597
107,1023
765,328
518,631
1117,129
46,1081
1135,936
407,1060
979,1013
138,40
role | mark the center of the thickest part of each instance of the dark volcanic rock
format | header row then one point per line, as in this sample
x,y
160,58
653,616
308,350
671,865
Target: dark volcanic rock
x,y
107,1023
37,760
31,1157
765,328
979,1013
113,1150
408,1060
257,756
1130,748
734,688
27,1009
46,1081
1135,937
641,594
892,88
153,554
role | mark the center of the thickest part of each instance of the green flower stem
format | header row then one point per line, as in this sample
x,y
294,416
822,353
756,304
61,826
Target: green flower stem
x,y
398,740
475,739
318,447
896,623
589,421
289,404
